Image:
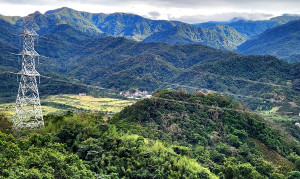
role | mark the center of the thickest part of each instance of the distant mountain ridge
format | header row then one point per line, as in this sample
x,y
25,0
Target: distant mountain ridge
x,y
281,41
138,28
133,27
123,64
220,36
117,24
253,28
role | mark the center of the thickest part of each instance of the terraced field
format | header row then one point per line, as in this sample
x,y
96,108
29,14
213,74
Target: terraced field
x,y
58,104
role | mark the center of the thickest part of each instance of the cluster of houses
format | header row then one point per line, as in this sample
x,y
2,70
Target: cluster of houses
x,y
136,95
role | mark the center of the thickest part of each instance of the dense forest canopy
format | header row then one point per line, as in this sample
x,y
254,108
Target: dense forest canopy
x,y
175,134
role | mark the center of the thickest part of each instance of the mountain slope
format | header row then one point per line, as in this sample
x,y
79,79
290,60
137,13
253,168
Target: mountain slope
x,y
218,37
122,64
281,41
117,24
253,28
215,127
132,27
231,34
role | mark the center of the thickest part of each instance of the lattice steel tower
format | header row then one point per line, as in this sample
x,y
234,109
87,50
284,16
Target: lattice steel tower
x,y
28,112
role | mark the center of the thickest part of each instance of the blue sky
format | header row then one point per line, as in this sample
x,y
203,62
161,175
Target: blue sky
x,y
190,11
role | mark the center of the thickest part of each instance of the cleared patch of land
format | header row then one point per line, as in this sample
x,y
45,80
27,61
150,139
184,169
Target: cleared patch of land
x,y
58,104
272,156
288,111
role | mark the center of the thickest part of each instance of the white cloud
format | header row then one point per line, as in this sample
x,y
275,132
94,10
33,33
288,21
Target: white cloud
x,y
221,17
190,11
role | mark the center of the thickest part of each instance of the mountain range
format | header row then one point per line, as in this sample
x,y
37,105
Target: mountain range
x,y
222,35
81,53
219,36
252,28
281,41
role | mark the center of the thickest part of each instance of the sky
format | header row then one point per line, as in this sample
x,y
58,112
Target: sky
x,y
189,11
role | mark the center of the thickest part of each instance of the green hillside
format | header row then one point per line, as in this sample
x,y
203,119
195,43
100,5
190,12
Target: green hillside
x,y
172,135
281,41
253,28
117,24
120,64
235,37
130,26
221,36
216,129
151,66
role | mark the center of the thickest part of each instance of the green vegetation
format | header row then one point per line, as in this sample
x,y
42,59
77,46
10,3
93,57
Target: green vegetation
x,y
219,133
121,64
281,41
221,36
252,28
38,157
271,156
173,135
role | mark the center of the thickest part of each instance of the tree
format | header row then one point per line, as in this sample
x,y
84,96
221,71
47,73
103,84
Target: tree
x,y
294,175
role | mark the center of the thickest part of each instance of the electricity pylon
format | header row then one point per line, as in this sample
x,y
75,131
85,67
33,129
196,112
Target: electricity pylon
x,y
28,112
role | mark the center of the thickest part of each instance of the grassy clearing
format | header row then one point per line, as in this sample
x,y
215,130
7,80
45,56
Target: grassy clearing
x,y
273,115
90,103
58,104
8,109
274,109
269,112
272,156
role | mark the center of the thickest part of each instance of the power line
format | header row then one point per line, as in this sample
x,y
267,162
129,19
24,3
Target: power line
x,y
226,76
178,85
185,86
204,72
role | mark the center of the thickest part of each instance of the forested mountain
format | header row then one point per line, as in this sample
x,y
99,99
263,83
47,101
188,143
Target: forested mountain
x,y
132,27
223,36
214,133
281,41
220,36
117,24
122,64
253,28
